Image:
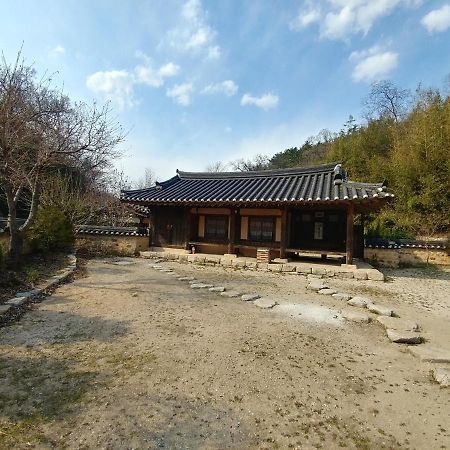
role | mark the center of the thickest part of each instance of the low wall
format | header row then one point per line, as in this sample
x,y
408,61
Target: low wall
x,y
395,257
4,243
112,245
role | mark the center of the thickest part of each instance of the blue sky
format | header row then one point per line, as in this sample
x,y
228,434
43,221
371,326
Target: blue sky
x,y
197,81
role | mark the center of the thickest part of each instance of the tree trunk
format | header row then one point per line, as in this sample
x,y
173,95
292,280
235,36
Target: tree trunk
x,y
16,239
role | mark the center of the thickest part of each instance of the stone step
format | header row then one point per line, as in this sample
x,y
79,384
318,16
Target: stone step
x,y
404,337
265,303
358,317
250,297
431,354
395,323
380,309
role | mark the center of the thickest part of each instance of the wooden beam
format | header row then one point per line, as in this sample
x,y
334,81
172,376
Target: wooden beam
x,y
231,231
349,237
284,233
187,221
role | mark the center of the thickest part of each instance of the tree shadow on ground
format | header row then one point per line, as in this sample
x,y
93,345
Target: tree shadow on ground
x,y
36,390
58,327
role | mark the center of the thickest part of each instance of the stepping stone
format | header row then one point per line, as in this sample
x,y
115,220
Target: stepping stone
x,y
29,294
316,285
230,294
186,279
265,303
4,309
380,310
250,297
17,301
356,317
398,324
201,286
404,337
327,291
193,281
217,289
442,376
360,302
431,354
344,297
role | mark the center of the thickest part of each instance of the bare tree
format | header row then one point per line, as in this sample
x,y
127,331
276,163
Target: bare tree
x,y
387,100
218,166
258,162
40,129
147,180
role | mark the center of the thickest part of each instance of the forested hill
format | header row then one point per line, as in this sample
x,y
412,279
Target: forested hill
x,y
406,141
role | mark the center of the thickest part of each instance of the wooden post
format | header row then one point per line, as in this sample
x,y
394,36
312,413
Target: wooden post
x,y
187,227
349,238
231,231
283,237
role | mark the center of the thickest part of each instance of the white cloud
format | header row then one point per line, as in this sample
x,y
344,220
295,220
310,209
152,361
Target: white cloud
x,y
343,18
59,50
181,93
227,87
214,52
265,102
146,74
113,85
193,32
437,20
373,64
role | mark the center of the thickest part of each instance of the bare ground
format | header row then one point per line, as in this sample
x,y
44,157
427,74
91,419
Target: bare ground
x,y
129,357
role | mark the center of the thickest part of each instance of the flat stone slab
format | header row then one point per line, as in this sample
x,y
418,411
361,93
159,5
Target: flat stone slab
x,y
4,309
431,354
217,289
29,294
375,275
316,285
358,317
265,303
404,337
231,294
380,310
343,297
360,302
17,301
186,278
395,323
250,297
201,286
327,291
442,376
194,281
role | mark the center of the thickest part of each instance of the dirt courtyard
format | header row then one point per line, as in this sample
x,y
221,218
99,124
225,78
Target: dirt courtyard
x,y
128,357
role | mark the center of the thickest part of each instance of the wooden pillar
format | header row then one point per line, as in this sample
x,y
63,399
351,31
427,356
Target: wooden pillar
x,y
231,231
349,238
187,227
284,232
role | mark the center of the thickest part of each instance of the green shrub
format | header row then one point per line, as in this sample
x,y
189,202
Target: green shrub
x,y
52,231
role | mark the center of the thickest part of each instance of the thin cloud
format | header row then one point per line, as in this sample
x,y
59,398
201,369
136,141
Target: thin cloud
x,y
227,87
438,20
59,50
181,93
265,102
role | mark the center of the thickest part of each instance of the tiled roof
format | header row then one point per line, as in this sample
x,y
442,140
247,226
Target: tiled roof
x,y
112,231
319,183
404,243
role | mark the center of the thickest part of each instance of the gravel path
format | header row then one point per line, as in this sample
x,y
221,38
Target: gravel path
x,y
130,357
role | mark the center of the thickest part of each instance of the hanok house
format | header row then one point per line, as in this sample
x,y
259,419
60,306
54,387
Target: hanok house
x,y
288,211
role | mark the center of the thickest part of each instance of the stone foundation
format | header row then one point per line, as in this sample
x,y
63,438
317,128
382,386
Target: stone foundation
x,y
395,257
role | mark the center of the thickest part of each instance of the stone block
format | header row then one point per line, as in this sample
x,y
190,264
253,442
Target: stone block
x,y
191,258
431,354
198,259
251,265
356,316
380,310
239,263
275,267
330,272
318,271
360,302
280,260
395,323
316,285
249,297
288,268
303,269
375,275
265,303
403,337
230,294
343,297
360,274
263,267
4,309
344,274
17,301
226,262
442,376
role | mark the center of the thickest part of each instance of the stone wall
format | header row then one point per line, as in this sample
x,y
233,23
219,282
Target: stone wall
x,y
395,257
112,245
4,243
